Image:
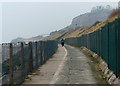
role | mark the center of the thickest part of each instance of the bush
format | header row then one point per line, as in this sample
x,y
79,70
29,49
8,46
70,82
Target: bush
x,y
114,13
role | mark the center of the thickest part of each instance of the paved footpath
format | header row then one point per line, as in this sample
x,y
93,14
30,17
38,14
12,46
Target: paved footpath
x,y
68,66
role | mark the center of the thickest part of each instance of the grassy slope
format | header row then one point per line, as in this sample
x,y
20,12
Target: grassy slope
x,y
79,32
55,35
87,30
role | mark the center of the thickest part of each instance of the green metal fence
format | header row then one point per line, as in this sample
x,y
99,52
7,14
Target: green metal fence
x,y
21,59
105,42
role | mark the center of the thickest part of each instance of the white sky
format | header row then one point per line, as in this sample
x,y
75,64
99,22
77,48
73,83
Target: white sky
x,y
59,0
0,23
36,18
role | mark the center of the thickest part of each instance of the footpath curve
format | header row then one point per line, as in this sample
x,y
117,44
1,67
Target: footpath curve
x,y
69,65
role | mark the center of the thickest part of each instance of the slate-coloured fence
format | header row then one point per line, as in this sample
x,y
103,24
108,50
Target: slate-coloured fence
x,y
105,42
21,59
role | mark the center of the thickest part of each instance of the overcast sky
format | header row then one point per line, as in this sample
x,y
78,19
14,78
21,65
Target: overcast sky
x,y
28,19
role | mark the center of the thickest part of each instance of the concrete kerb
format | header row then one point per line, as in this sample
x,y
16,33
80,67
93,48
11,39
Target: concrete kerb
x,y
107,74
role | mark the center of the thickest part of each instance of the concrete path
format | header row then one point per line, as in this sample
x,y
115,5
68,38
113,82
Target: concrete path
x,y
47,73
79,69
68,66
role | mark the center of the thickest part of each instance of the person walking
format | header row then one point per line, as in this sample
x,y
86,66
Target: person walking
x,y
62,42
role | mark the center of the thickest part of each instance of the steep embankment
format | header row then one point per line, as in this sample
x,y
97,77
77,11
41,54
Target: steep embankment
x,y
81,31
56,35
99,13
86,30
83,24
79,27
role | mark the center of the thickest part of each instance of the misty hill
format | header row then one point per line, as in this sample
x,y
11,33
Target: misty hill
x,y
20,39
99,13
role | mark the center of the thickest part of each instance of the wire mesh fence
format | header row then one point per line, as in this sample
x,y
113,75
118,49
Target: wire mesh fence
x,y
105,42
21,59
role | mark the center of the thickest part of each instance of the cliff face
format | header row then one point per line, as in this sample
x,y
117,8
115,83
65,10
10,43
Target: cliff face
x,y
99,13
90,18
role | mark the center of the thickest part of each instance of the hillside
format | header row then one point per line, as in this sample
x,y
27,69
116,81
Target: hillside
x,y
20,39
85,30
84,23
55,35
80,25
99,13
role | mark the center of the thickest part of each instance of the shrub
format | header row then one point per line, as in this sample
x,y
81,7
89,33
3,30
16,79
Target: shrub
x,y
114,13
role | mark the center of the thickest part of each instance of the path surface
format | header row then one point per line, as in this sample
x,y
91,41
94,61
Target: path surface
x,y
68,66
45,74
78,69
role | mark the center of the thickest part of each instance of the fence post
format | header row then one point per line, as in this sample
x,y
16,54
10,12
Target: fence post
x,y
117,48
118,29
11,63
108,44
87,41
43,51
30,58
36,55
41,59
22,61
100,43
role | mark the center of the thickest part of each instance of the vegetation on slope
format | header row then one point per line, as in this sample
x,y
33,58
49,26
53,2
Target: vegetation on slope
x,y
84,30
97,25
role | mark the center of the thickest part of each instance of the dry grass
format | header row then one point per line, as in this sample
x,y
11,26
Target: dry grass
x,y
114,13
54,36
85,30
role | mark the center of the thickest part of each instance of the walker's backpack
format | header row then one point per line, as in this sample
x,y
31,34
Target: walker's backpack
x,y
62,41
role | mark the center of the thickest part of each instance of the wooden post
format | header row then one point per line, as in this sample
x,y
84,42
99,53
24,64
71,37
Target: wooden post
x,y
30,58
36,54
22,62
11,63
46,49
41,60
43,51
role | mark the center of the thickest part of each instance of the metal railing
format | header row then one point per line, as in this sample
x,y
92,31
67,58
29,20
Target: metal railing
x,y
21,59
105,42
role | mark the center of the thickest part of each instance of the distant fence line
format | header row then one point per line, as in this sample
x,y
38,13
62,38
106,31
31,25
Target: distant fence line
x,y
104,42
22,59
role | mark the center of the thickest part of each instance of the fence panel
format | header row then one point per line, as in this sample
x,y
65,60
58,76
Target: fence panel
x,y
5,63
34,55
21,59
39,49
118,45
105,45
17,63
112,46
105,42
26,58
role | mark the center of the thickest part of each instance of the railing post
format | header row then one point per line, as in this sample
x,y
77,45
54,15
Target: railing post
x,y
41,59
43,51
11,63
108,44
22,62
36,55
87,44
30,58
